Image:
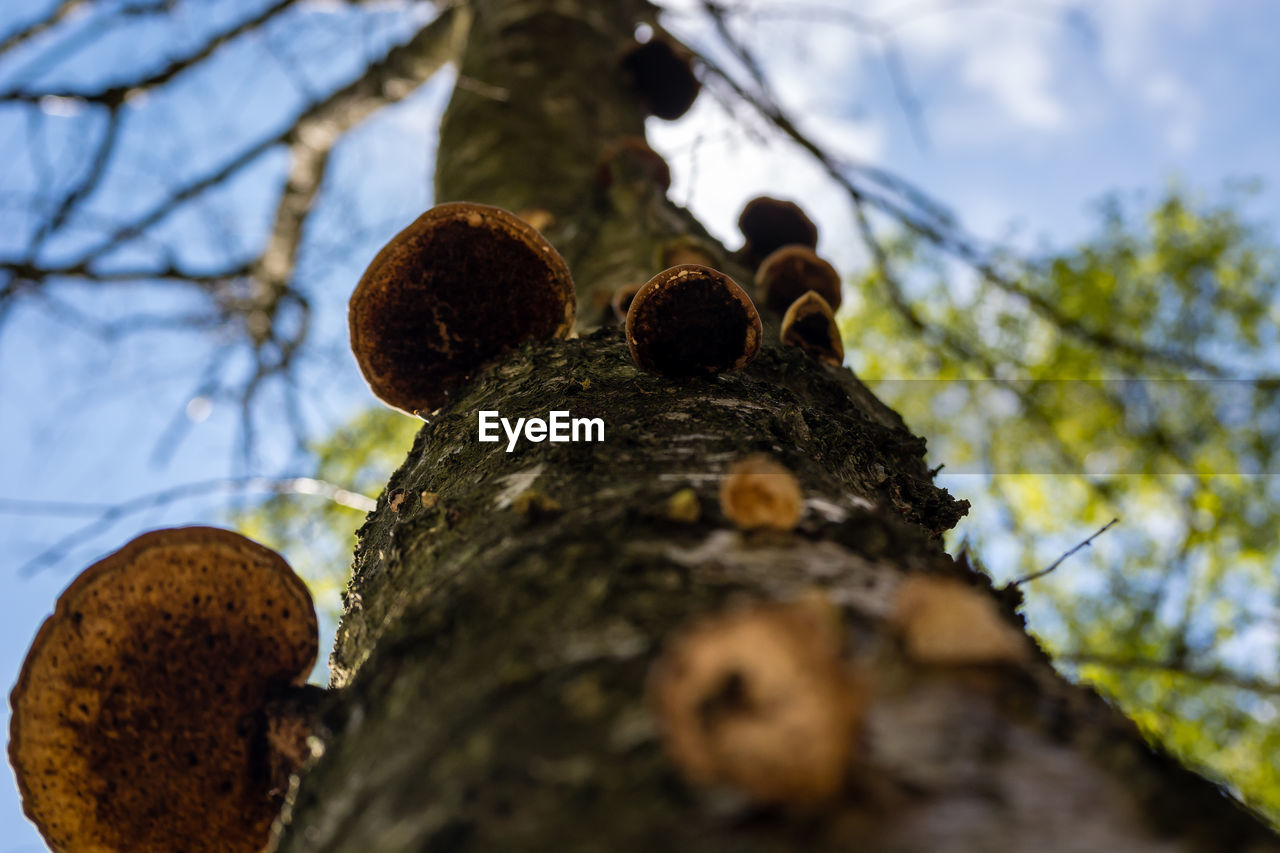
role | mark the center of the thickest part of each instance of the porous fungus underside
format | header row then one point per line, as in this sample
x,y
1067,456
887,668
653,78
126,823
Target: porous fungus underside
x,y
138,721
692,321
456,289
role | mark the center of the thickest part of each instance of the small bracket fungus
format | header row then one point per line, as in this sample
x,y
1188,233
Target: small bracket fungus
x,y
810,324
456,289
688,250
684,506
792,271
621,300
634,154
661,72
768,224
762,700
947,622
757,492
691,320
140,716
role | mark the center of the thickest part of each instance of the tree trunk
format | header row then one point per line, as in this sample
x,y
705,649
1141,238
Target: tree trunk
x,y
493,666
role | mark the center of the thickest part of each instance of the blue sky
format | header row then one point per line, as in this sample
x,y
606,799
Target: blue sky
x,y
1031,111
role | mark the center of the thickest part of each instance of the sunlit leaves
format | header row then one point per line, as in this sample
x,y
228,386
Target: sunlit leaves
x,y
319,538
1112,379
1117,378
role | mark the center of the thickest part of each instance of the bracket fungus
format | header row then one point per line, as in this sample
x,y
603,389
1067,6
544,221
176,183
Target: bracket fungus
x,y
632,153
762,700
687,249
691,320
661,71
621,300
453,291
792,271
141,715
947,622
769,223
811,325
757,492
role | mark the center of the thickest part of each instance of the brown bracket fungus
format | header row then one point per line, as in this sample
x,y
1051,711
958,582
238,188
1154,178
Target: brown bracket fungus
x,y
140,716
453,291
792,271
621,300
687,249
762,700
757,492
633,154
691,320
661,72
811,325
946,622
769,223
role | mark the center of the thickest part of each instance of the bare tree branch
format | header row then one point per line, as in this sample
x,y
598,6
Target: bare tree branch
x,y
116,94
1211,675
87,184
911,208
36,28
81,271
256,298
905,95
396,75
107,514
268,286
64,49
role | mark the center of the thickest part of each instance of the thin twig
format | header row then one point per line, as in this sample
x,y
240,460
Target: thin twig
x,y
23,34
261,291
106,515
1215,675
117,93
925,218
1058,562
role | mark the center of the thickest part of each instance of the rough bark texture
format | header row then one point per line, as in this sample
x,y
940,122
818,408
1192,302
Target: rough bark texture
x,y
505,608
541,99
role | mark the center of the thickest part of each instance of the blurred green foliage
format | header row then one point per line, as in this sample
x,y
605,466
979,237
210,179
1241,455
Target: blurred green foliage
x,y
1131,376
1123,377
319,538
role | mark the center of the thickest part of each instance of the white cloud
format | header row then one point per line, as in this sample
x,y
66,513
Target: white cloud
x,y
990,75
991,72
1018,77
1177,107
1134,34
1136,45
1008,67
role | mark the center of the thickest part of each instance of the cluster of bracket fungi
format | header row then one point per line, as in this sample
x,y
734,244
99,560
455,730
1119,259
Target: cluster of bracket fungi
x,y
167,682
163,705
466,283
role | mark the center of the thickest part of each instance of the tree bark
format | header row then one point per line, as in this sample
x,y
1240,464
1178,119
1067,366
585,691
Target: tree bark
x,y
491,669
